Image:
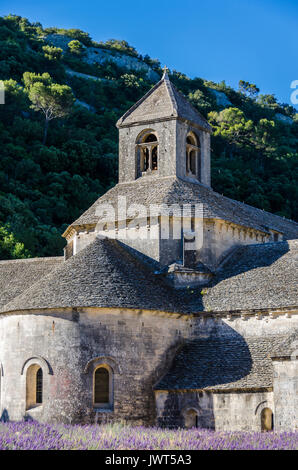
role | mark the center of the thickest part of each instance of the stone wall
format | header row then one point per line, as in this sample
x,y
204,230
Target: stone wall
x,y
221,237
237,410
171,150
128,161
172,408
286,393
83,239
218,411
139,346
183,128
240,411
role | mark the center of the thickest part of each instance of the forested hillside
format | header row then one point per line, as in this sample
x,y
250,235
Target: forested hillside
x,y
59,142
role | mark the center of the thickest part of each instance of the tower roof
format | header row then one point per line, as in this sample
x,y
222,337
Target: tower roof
x,y
162,102
172,190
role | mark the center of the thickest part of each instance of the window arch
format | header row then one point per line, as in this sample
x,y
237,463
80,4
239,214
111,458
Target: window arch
x,y
34,386
147,151
266,420
193,152
103,387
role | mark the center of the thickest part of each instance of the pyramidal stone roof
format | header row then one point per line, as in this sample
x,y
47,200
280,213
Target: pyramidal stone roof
x,y
103,274
173,190
162,102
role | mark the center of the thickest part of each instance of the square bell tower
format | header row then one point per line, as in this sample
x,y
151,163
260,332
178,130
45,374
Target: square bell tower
x,y
164,135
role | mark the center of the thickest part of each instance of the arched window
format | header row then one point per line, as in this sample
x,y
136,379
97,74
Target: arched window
x,y
266,420
102,387
192,156
34,386
147,150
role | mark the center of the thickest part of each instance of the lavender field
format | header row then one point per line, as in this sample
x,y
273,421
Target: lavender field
x,y
35,436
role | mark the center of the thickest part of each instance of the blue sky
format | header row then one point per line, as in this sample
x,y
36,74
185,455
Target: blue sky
x,y
253,40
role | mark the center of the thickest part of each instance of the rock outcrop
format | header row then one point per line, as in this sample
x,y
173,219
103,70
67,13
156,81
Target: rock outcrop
x,y
97,55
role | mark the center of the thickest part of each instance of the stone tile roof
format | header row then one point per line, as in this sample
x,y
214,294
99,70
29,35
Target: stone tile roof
x,y
104,274
257,276
18,275
288,348
172,190
107,274
226,362
163,101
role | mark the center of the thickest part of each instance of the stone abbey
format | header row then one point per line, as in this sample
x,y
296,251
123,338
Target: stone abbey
x,y
198,329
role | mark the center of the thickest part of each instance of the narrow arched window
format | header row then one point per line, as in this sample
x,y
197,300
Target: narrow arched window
x,y
266,420
192,156
34,386
147,150
39,386
191,419
102,387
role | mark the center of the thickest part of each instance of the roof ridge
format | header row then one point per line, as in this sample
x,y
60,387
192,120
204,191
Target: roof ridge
x,y
169,86
174,110
175,89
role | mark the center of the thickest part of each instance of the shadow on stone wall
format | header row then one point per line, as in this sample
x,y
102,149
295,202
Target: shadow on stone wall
x,y
4,416
188,409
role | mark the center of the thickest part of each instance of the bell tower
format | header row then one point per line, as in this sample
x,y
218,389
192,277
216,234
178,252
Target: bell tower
x,y
164,135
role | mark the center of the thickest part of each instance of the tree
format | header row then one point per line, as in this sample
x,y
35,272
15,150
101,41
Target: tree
x,y
15,100
52,99
265,133
122,46
268,100
199,100
76,47
131,81
10,247
248,89
232,125
52,53
29,78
